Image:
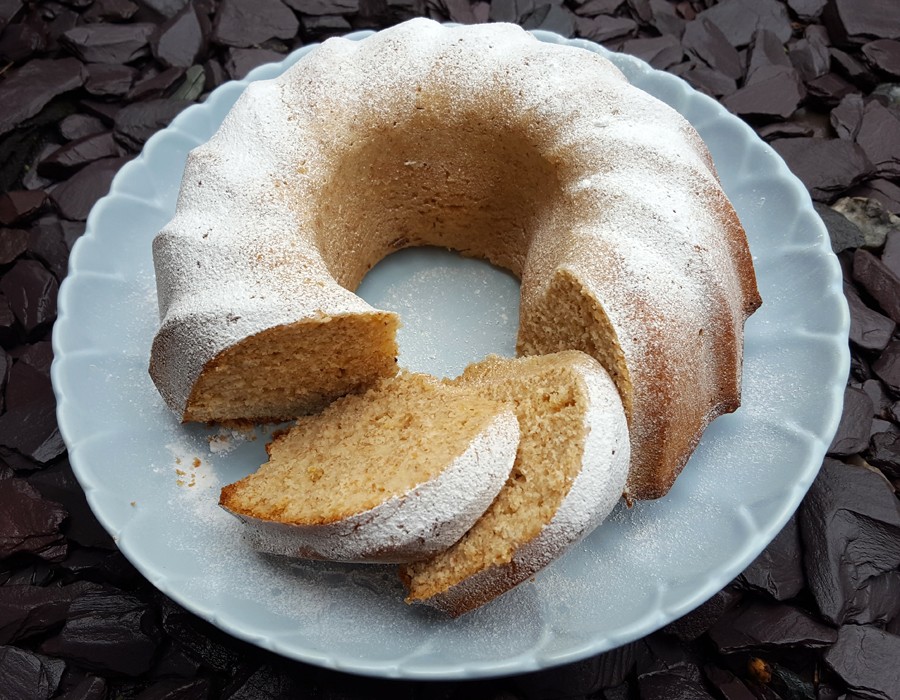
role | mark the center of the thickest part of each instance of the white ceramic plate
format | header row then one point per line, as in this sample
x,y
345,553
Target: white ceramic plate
x,y
154,483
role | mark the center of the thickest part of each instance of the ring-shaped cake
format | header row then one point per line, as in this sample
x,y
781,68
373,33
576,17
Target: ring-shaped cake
x,y
540,158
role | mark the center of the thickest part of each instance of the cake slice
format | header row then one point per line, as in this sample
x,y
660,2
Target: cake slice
x,y
569,472
392,475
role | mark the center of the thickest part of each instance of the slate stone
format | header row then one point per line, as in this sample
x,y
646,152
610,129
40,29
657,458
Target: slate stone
x,y
778,570
8,10
829,89
776,91
729,686
26,610
13,242
551,18
176,689
885,54
27,90
850,525
22,40
29,424
668,685
109,80
884,453
868,328
825,166
327,7
88,688
865,658
165,8
76,154
890,256
580,678
457,11
215,74
844,234
107,631
592,8
179,41
28,523
887,366
109,43
154,86
8,330
77,126
847,117
879,137
320,26
17,207
602,29
760,626
740,19
876,391
705,40
76,196
807,10
697,622
31,291
859,19
5,366
767,50
709,81
780,130
241,61
247,23
110,11
811,57
29,675
666,19
47,243
38,355
660,52
851,67
200,639
880,283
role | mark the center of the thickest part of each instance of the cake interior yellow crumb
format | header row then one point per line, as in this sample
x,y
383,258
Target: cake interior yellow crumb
x,y
362,450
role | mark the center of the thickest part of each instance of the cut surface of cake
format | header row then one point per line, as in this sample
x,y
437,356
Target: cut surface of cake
x,y
569,472
394,474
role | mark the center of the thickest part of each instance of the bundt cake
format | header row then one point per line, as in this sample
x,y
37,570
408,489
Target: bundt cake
x,y
395,474
538,157
569,472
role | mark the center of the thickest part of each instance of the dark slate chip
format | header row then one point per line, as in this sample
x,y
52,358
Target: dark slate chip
x,y
847,117
31,291
696,623
88,688
854,69
669,685
109,43
100,566
879,137
890,256
179,41
811,57
29,523
77,126
8,331
825,166
242,61
604,28
201,640
885,54
887,366
177,689
705,40
26,610
665,17
106,111
592,8
29,424
868,328
878,393
775,91
20,41
580,678
760,626
708,80
246,23
778,570
175,663
844,234
859,19
17,207
660,52
107,631
807,10
110,11
740,19
829,89
75,197
215,74
865,658
551,18
25,91
39,356
457,11
880,190
156,85
137,122
320,26
13,242
5,366
767,50
880,283
884,453
850,525
29,675
328,7
77,154
8,10
165,8
109,80
729,686
782,130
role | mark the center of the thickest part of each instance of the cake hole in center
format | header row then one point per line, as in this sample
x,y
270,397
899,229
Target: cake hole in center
x,y
453,310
